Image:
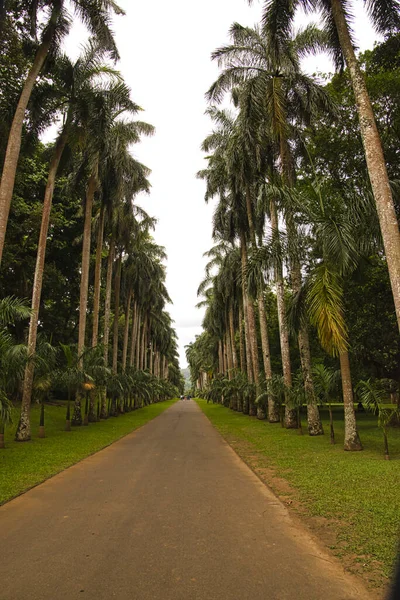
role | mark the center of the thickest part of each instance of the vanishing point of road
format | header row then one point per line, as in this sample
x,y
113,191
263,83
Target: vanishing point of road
x,y
167,513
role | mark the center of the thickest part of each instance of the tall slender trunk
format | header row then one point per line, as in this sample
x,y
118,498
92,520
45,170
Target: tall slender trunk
x,y
84,288
143,343
220,358
232,336
15,135
273,407
139,337
313,417
126,331
97,278
351,438
133,335
228,353
107,307
23,431
117,293
374,156
290,413
241,341
87,231
249,361
223,357
250,306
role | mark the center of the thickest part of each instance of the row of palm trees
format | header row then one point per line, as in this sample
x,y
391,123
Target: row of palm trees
x,y
98,127
274,228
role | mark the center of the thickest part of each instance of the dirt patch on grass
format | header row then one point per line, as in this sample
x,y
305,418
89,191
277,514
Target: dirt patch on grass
x,y
327,531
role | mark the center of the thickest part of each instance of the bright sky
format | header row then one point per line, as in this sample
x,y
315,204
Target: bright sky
x,y
165,52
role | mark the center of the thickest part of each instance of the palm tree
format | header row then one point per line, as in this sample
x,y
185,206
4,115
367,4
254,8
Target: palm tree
x,y
326,387
96,16
374,396
278,20
274,94
112,103
77,94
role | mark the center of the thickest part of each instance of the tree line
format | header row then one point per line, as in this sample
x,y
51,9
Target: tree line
x,y
302,284
71,236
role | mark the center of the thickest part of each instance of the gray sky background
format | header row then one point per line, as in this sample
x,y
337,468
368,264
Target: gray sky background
x,y
165,52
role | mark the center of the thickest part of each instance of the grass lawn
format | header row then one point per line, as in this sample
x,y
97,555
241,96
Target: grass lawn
x,y
23,465
352,495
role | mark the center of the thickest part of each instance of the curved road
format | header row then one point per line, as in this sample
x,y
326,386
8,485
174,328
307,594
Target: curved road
x,y
167,513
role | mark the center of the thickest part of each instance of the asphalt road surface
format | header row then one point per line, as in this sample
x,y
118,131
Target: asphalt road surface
x,y
167,513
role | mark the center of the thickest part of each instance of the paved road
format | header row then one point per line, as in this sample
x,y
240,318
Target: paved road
x,y
167,513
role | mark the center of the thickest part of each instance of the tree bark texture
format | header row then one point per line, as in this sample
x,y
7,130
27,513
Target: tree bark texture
x,y
351,438
107,307
126,331
374,156
97,278
133,335
232,336
87,230
241,342
273,407
290,414
117,293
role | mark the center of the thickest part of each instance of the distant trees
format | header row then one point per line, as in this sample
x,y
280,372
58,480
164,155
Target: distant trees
x,y
67,195
304,225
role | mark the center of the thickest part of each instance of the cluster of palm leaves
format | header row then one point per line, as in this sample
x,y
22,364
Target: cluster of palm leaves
x,y
274,230
98,129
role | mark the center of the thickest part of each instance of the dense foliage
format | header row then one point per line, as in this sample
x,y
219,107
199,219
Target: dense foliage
x,y
297,290
74,243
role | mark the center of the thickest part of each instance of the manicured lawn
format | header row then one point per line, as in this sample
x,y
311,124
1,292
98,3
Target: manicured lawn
x,y
23,465
358,492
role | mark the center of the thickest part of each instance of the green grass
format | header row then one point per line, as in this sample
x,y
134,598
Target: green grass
x,y
23,465
357,491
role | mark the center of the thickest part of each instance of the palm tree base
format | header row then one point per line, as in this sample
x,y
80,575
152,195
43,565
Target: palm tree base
x,y
23,433
291,419
353,444
252,410
41,432
245,407
68,425
86,420
261,415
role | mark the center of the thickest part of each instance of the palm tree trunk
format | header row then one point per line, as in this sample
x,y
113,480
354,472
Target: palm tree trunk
x,y
97,278
245,311
23,431
241,341
87,230
117,290
273,407
138,333
290,414
232,336
313,416
374,156
143,343
228,353
220,358
133,335
15,135
351,437
126,331
107,307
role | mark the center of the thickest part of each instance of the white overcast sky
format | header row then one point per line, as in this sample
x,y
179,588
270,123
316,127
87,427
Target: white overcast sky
x,y
165,52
